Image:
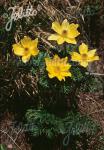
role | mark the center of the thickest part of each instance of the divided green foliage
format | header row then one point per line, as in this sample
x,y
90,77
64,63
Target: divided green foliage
x,y
92,84
78,74
50,125
45,123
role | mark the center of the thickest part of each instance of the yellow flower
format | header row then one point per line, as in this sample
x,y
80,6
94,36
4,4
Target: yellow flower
x,y
58,67
65,32
85,55
26,48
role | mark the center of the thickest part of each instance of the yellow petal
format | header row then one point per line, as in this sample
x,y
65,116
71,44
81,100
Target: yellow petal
x,y
26,41
18,49
83,48
54,37
26,58
67,74
72,31
91,53
65,67
47,61
64,60
84,64
51,75
56,57
91,59
61,40
33,47
76,56
34,52
71,41
34,43
96,58
56,27
61,78
65,24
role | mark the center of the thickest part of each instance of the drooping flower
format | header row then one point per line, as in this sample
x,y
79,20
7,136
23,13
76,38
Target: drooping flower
x,y
58,67
65,32
86,56
26,48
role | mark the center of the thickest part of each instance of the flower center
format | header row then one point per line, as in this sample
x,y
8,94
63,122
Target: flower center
x,y
64,32
57,69
84,56
26,49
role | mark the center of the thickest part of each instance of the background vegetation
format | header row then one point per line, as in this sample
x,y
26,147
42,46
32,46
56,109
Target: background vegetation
x,y
40,114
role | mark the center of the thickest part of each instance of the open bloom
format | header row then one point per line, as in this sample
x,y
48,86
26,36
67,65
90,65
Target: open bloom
x,y
65,32
58,67
85,55
26,48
